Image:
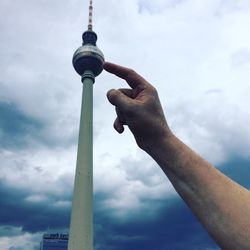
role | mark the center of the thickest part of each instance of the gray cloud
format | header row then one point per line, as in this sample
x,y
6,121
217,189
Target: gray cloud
x,y
174,227
239,170
10,231
186,48
16,127
18,130
32,215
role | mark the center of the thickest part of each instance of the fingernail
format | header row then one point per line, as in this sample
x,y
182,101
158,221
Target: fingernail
x,y
120,129
105,65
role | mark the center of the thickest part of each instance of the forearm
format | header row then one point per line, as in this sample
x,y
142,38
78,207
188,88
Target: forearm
x,y
222,206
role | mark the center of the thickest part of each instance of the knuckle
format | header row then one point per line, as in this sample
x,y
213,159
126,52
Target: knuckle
x,y
153,89
112,94
131,74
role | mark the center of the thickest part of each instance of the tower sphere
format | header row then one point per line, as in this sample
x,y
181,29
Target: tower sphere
x,y
88,56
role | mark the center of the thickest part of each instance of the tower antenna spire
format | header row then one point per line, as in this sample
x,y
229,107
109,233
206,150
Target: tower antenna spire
x,y
90,25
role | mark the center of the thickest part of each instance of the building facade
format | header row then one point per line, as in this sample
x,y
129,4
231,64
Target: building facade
x,y
54,242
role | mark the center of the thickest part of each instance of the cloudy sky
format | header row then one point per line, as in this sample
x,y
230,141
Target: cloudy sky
x,y
197,54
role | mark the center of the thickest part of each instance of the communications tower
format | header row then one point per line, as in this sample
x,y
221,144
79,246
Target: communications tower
x,y
88,62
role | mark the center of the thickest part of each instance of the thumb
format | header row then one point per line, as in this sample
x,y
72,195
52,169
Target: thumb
x,y
120,100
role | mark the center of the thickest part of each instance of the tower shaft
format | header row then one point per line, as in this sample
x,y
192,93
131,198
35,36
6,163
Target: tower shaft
x,y
81,225
88,62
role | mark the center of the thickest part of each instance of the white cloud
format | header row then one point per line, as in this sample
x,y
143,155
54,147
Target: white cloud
x,y
16,239
43,171
214,126
128,183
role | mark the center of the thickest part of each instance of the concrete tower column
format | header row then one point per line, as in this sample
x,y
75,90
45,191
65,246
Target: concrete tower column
x,y
81,226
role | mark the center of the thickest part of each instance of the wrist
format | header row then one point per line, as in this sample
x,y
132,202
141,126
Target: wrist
x,y
158,145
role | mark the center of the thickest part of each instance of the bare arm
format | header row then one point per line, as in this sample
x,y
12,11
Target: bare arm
x,y
222,206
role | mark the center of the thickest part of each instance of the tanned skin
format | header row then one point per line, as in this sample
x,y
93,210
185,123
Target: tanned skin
x,y
221,205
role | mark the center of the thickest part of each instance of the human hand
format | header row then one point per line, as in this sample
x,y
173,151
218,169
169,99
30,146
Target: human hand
x,y
138,107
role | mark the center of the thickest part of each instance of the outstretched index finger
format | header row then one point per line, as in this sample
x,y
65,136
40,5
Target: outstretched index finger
x,y
130,76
